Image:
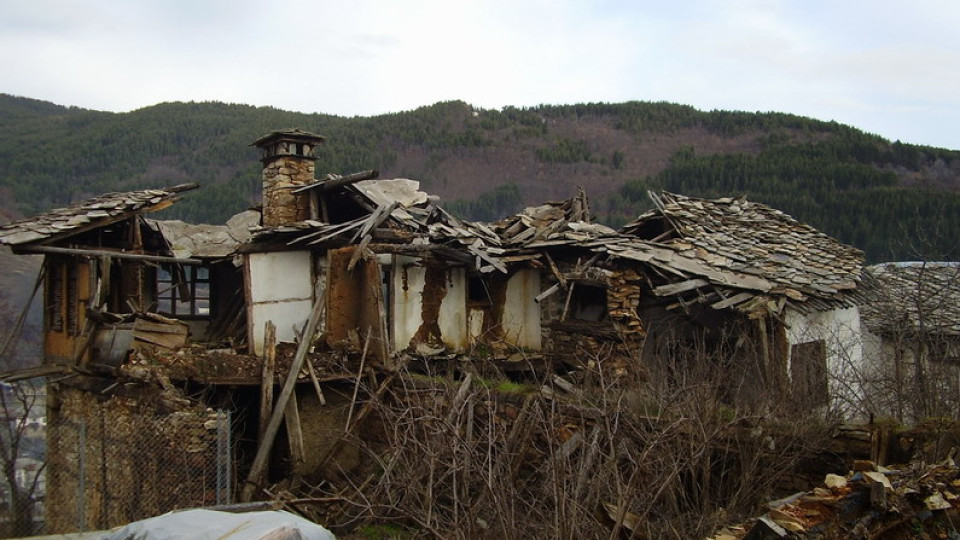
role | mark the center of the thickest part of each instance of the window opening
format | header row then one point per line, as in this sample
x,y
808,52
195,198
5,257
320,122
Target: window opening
x,y
73,300
808,372
588,303
477,291
55,295
183,290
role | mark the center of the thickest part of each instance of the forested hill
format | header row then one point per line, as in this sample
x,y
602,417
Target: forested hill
x,y
896,201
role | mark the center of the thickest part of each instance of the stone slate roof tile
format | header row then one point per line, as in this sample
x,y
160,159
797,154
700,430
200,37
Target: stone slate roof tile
x,y
914,298
98,211
766,242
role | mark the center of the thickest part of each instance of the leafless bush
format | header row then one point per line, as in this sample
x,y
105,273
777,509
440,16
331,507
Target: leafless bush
x,y
475,458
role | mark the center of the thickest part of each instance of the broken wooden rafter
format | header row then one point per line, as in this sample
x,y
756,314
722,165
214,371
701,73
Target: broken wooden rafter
x,y
334,182
328,232
683,286
733,300
376,219
555,270
106,253
358,253
493,261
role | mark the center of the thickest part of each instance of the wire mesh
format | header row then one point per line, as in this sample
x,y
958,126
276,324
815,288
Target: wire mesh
x,y
103,471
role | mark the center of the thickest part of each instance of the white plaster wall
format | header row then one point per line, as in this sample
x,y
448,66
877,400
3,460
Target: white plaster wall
x,y
408,280
408,283
841,332
453,311
521,314
281,290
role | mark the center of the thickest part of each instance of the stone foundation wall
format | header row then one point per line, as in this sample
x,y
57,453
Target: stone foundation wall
x,y
120,459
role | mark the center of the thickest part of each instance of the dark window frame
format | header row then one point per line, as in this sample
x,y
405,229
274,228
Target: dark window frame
x,y
184,291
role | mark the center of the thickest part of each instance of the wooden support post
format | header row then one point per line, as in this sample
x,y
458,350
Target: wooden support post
x,y
291,416
259,465
566,305
266,385
766,368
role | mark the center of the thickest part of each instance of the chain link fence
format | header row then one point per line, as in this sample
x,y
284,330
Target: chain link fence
x,y
108,469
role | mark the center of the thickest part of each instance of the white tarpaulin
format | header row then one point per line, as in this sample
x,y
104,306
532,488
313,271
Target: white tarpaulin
x,y
202,524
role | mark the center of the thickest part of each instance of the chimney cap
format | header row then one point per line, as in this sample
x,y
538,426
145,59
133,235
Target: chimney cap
x,y
290,135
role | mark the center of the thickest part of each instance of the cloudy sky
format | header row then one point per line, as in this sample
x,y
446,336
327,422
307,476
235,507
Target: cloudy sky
x,y
887,67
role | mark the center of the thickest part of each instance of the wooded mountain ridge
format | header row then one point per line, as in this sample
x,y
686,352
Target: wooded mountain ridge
x,y
894,200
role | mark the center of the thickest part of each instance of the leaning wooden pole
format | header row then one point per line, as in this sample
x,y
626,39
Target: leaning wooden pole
x,y
258,468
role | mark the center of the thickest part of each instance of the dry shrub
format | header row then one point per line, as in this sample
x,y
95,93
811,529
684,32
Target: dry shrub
x,y
465,459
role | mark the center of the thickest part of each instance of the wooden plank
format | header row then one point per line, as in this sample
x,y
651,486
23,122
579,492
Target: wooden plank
x,y
167,341
486,257
159,328
683,286
733,300
382,307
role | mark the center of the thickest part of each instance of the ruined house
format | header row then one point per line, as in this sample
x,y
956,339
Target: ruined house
x,y
162,319
912,339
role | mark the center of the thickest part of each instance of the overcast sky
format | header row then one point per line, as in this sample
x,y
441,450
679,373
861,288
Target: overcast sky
x,y
886,67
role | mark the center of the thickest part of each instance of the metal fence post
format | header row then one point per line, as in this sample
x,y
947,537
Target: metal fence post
x,y
223,458
81,470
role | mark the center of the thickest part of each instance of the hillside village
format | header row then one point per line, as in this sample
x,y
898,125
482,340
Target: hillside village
x,y
355,352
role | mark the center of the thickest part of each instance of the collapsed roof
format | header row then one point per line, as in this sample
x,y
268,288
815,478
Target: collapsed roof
x,y
749,245
723,253
914,298
89,214
393,211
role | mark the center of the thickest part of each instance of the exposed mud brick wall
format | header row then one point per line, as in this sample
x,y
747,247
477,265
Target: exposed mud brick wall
x,y
616,340
280,177
434,291
354,303
116,460
322,426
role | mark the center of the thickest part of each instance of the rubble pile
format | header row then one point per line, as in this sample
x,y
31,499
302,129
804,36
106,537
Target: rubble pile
x,y
915,501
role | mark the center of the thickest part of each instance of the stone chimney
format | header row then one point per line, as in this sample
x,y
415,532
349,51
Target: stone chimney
x,y
288,163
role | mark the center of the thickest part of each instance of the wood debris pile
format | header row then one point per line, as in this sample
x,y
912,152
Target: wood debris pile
x,y
392,211
870,502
